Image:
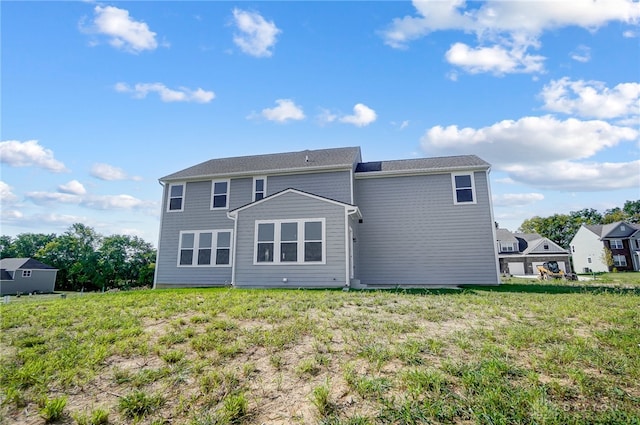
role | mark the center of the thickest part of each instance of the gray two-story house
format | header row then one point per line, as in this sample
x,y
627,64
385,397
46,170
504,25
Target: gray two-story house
x,y
323,218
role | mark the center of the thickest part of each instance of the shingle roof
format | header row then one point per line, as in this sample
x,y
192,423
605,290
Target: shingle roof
x,y
256,164
11,264
5,275
504,235
424,164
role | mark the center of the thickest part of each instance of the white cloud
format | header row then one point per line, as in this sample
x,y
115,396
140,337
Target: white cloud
x,y
183,94
362,116
257,36
512,27
543,152
579,176
285,111
529,140
29,154
581,54
110,173
496,59
74,187
326,116
46,198
6,194
592,98
10,215
516,199
114,202
124,32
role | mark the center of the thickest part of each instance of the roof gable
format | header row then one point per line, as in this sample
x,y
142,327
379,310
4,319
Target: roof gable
x,y
264,164
537,246
619,229
233,213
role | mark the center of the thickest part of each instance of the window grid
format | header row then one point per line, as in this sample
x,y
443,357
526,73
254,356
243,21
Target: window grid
x,y
219,194
464,191
620,261
26,273
616,244
259,188
204,248
299,241
176,197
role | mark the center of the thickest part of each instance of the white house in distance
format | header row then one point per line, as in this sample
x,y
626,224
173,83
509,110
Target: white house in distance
x,y
589,242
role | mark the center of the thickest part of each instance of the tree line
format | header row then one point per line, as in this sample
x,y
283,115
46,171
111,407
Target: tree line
x,y
86,259
561,228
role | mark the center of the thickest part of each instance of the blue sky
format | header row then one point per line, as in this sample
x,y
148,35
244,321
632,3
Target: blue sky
x,y
100,99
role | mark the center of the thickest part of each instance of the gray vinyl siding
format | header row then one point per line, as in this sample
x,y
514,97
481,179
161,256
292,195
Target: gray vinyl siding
x,y
291,206
414,234
334,185
41,281
197,215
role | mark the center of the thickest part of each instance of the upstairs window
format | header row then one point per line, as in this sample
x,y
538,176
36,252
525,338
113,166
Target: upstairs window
x,y
259,188
205,248
464,191
220,194
616,244
26,273
619,261
176,197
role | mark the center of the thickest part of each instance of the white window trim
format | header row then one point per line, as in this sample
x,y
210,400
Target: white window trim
x,y
277,241
618,263
213,186
264,187
169,197
214,247
616,247
455,189
26,273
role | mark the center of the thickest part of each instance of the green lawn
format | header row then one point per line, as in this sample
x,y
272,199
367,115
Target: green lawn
x,y
525,352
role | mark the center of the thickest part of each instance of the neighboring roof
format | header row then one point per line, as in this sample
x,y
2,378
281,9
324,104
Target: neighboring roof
x,y
536,243
504,235
424,164
11,264
279,162
602,230
528,236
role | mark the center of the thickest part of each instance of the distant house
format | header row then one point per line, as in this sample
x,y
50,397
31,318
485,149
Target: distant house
x,y
589,242
323,218
521,253
26,275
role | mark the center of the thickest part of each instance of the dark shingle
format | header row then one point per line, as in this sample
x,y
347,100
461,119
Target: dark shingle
x,y
424,164
256,164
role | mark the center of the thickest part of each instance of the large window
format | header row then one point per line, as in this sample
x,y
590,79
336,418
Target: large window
x,y
176,197
259,188
220,194
619,261
616,244
464,191
205,248
290,241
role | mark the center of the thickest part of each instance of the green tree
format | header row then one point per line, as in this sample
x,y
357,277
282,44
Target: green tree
x,y
632,211
612,215
27,245
6,247
607,257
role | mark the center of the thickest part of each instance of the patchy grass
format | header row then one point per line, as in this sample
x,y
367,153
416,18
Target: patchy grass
x,y
524,352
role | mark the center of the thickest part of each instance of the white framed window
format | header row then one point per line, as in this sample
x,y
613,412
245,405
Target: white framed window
x,y
616,244
464,190
176,197
204,248
220,194
589,260
26,273
620,261
299,241
259,188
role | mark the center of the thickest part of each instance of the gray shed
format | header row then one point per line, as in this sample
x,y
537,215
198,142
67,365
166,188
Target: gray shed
x,y
26,275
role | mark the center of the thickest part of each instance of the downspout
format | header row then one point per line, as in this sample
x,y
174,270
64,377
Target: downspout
x,y
349,211
234,216
164,197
